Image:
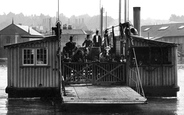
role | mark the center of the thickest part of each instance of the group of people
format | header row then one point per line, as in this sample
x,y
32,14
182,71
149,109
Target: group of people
x,y
95,42
70,47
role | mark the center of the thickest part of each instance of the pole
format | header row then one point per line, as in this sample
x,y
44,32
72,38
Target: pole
x,y
126,11
59,45
101,22
106,21
59,39
100,14
119,11
58,10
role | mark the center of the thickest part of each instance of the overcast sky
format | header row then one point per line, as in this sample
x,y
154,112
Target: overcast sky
x,y
155,9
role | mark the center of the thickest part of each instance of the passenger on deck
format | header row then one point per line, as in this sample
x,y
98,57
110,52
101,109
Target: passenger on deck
x,y
97,40
70,46
97,45
87,42
106,39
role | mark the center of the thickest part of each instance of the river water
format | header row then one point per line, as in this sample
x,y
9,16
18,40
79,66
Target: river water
x,y
155,106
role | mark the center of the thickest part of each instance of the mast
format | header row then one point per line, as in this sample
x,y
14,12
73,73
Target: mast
x,y
126,18
101,21
58,10
119,11
59,46
106,20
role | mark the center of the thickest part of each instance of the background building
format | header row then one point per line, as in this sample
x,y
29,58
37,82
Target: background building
x,y
173,32
14,34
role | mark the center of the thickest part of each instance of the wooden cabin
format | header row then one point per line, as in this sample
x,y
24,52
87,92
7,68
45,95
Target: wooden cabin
x,y
157,64
33,68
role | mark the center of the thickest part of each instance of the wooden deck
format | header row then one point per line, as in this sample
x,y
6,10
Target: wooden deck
x,y
102,95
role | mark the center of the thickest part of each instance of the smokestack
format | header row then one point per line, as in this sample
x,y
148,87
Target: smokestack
x,y
136,18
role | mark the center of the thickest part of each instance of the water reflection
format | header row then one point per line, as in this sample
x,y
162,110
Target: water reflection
x,y
155,106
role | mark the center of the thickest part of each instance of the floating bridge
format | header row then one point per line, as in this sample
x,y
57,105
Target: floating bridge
x,y
97,83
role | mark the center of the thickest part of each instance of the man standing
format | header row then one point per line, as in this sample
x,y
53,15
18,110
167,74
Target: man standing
x,y
97,40
97,43
70,46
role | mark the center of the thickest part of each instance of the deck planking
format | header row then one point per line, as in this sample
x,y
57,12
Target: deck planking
x,y
102,95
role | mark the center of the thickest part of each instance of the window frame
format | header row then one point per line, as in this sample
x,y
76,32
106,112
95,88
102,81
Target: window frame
x,y
149,57
35,60
24,58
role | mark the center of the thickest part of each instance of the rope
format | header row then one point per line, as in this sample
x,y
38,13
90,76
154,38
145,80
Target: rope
x,y
127,32
139,82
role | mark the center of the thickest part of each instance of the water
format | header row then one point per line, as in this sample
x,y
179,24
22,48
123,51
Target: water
x,y
155,106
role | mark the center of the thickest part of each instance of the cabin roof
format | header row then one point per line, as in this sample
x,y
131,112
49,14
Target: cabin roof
x,y
73,31
29,30
162,30
151,41
47,38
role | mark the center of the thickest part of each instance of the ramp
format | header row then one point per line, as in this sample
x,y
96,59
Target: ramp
x,y
102,95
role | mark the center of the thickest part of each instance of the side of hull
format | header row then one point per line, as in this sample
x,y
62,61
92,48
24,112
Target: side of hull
x,y
160,91
54,92
32,92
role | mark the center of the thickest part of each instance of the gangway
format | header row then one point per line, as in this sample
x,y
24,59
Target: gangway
x,y
102,95
89,83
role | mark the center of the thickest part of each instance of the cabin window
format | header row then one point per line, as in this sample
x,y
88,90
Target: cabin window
x,y
151,56
41,56
142,56
35,56
28,57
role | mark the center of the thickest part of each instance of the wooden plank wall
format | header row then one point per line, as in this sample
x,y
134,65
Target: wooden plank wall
x,y
160,75
32,76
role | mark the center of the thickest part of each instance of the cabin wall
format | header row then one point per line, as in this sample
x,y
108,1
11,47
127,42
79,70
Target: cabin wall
x,y
159,80
20,76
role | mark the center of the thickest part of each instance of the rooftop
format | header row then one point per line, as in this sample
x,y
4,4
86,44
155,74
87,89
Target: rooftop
x,y
162,30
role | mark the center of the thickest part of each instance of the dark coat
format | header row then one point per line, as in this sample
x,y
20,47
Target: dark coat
x,y
99,43
87,43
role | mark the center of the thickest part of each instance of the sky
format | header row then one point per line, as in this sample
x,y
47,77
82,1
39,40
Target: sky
x,y
154,9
